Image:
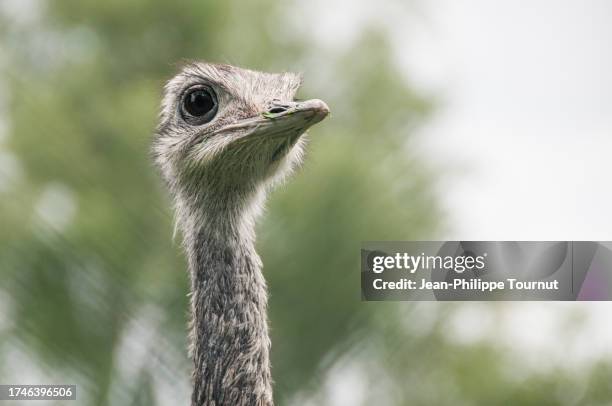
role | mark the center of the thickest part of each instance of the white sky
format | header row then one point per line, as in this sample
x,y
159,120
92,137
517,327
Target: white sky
x,y
525,125
527,115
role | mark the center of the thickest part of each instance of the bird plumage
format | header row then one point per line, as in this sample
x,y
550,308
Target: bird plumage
x,y
225,136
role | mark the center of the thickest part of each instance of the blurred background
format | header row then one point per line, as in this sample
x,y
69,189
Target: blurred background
x,y
450,120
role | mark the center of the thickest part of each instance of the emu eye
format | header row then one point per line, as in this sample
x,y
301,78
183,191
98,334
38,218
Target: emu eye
x,y
199,105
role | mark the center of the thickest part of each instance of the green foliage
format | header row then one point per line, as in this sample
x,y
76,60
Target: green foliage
x,y
95,287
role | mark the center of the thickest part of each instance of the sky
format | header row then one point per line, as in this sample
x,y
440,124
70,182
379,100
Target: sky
x,y
526,116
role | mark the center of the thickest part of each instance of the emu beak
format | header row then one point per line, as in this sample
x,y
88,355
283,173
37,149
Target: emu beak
x,y
281,120
314,110
295,117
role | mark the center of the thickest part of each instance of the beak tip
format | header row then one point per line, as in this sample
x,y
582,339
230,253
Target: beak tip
x,y
319,107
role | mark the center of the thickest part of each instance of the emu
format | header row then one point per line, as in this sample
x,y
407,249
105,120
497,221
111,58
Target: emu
x,y
227,135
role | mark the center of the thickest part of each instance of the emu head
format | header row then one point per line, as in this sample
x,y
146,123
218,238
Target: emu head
x,y
230,131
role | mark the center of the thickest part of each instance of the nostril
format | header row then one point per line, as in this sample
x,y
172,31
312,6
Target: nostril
x,y
277,109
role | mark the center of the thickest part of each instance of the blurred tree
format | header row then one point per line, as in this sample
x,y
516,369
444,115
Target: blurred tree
x,y
90,231
95,289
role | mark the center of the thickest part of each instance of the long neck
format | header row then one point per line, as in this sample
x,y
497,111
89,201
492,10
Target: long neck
x,y
229,331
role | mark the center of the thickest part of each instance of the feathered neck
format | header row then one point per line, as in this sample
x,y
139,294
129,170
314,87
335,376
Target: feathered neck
x,y
229,331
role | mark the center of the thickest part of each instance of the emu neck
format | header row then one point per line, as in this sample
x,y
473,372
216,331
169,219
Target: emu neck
x,y
229,332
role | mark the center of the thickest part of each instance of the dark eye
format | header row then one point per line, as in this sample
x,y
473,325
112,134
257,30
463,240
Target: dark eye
x,y
199,105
